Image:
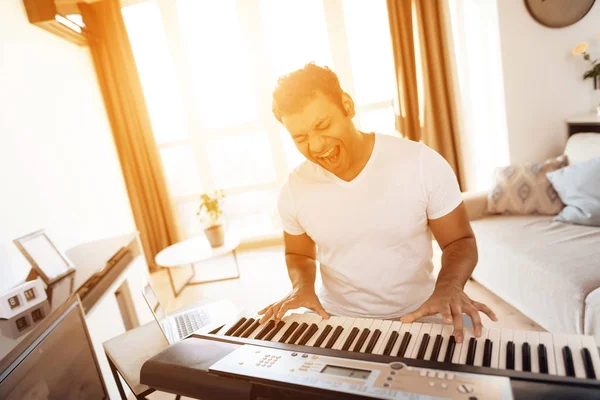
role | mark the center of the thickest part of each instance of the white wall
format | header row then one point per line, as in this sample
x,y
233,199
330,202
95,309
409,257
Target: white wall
x,y
543,84
58,163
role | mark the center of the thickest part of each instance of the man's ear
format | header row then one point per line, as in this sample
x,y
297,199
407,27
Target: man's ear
x,y
348,105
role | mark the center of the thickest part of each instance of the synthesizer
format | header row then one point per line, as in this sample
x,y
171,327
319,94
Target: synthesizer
x,y
533,364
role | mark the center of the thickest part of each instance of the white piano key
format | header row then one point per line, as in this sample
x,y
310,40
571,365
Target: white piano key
x,y
289,320
533,339
589,343
303,319
348,324
560,340
467,335
575,346
403,329
414,331
334,322
360,324
259,328
436,330
425,329
387,327
519,337
457,350
480,347
494,336
506,335
446,333
376,324
320,328
547,340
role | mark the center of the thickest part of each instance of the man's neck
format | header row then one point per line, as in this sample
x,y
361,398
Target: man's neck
x,y
361,154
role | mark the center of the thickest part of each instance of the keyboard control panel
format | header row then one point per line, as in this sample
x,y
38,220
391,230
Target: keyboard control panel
x,y
395,380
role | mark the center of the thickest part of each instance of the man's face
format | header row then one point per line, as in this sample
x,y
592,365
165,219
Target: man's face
x,y
324,133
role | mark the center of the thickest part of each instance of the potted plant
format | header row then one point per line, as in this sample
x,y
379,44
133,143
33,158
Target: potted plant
x,y
210,213
593,73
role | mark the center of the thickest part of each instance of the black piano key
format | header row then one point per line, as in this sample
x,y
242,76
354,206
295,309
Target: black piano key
x,y
350,338
437,346
334,336
526,350
275,331
450,349
568,360
252,328
373,341
587,363
303,326
471,351
265,330
390,344
510,355
312,329
543,358
235,327
322,336
404,344
423,348
288,332
362,339
242,328
487,353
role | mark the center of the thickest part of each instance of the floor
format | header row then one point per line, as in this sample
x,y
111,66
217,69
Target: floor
x,y
263,280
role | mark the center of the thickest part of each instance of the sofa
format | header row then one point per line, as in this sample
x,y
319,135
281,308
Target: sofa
x,y
550,271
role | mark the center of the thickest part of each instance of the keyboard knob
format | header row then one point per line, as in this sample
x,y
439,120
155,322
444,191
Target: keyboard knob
x,y
397,365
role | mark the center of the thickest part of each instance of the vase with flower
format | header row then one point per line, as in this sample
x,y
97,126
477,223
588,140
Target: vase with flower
x,y
593,73
210,213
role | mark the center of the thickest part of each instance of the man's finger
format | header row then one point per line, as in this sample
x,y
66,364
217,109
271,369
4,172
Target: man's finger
x,y
265,309
446,314
267,315
286,305
486,310
321,311
418,313
474,314
458,322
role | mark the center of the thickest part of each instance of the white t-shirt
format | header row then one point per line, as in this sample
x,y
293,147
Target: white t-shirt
x,y
372,235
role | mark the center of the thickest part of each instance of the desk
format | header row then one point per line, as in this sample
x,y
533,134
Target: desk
x,y
191,251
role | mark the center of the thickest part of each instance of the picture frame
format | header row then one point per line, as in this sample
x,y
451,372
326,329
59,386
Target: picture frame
x,y
49,262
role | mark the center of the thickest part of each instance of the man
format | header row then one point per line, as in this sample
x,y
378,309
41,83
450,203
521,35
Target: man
x,y
364,205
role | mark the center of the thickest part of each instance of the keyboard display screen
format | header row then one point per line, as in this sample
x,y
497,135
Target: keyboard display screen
x,y
346,372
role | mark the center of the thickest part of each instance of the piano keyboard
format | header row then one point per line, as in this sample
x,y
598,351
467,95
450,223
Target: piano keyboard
x,y
529,351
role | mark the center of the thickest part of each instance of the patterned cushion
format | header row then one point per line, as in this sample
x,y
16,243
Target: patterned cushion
x,y
524,189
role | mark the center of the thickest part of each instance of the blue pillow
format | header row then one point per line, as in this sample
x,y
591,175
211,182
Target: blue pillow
x,y
578,187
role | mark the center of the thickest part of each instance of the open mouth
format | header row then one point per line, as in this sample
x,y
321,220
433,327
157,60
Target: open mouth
x,y
331,156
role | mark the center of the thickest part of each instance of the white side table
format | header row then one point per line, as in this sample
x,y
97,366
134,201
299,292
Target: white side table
x,y
190,251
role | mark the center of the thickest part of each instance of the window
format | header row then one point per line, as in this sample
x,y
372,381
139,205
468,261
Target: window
x,y
208,69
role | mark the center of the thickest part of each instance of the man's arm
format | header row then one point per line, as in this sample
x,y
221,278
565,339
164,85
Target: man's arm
x,y
459,257
300,258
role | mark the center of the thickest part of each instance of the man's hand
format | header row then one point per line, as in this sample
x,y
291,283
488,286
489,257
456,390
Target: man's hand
x,y
451,302
296,299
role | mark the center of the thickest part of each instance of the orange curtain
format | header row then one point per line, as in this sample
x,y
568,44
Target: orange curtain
x,y
130,123
439,128
401,27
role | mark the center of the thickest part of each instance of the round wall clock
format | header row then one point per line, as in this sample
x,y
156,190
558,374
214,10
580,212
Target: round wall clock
x,y
558,13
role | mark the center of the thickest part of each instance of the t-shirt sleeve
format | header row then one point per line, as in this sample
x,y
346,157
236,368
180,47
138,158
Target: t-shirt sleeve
x,y
442,192
288,212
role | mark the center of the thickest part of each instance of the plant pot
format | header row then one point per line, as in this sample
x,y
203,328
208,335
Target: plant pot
x,y
215,235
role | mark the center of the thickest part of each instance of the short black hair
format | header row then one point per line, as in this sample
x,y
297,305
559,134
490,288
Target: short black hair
x,y
296,89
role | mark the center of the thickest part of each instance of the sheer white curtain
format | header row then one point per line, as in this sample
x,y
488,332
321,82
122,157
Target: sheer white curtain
x,y
208,69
